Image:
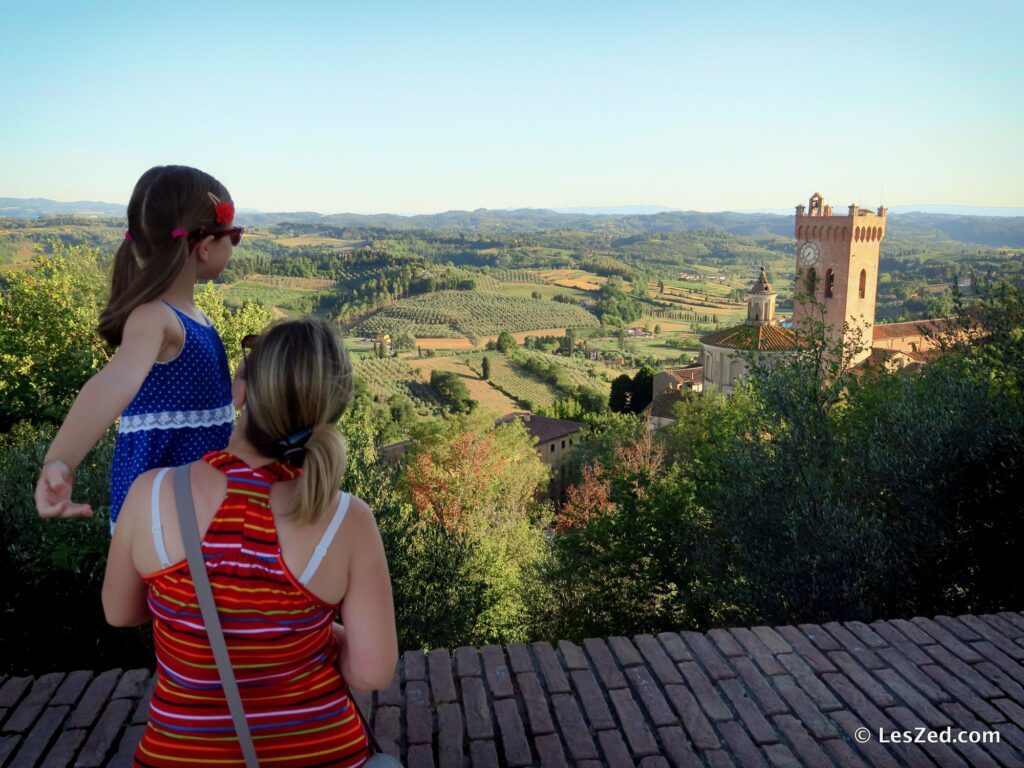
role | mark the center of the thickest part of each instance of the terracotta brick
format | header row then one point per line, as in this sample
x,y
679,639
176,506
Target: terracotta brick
x,y
7,746
536,704
853,645
602,661
132,684
483,754
641,740
945,638
759,728
625,651
957,628
467,662
420,756
615,753
857,701
442,684
964,672
758,651
912,631
775,642
419,718
697,725
808,652
1013,711
704,691
866,634
913,674
674,646
573,727
654,761
498,677
647,692
392,695
1001,660
125,754
780,756
72,687
38,739
387,725
876,754
34,703
703,651
843,754
103,734
811,717
900,642
855,672
758,685
805,747
1016,619
1003,752
726,643
1001,626
519,657
747,754
821,639
414,665
513,736
1007,686
573,655
141,713
940,753
962,693
590,764
590,694
13,690
95,697
549,749
361,700
1012,735
554,675
913,698
807,680
450,736
478,711
719,758
63,752
992,629
676,746
657,659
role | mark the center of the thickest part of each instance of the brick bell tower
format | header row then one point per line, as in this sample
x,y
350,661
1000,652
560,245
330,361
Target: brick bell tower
x,y
837,264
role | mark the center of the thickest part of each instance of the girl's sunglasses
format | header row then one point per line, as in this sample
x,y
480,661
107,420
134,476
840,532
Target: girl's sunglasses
x,y
235,233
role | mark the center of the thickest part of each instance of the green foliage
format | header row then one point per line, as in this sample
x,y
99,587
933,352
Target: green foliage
x,y
506,343
48,344
233,324
453,390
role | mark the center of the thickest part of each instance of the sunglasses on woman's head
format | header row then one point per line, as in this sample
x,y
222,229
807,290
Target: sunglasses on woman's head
x,y
235,233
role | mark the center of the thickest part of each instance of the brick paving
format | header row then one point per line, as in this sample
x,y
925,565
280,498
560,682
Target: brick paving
x,y
788,696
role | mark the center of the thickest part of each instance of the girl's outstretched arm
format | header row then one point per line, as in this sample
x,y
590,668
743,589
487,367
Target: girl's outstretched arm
x,y
101,400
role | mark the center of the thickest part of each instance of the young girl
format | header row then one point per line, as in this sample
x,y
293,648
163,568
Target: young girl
x,y
169,379
283,549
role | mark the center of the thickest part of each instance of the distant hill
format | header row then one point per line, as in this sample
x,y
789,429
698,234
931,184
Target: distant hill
x,y
993,231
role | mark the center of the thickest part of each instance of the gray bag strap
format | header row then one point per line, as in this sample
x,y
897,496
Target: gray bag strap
x,y
201,581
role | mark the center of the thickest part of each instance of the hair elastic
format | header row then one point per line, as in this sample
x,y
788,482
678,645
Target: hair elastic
x,y
179,232
128,236
293,447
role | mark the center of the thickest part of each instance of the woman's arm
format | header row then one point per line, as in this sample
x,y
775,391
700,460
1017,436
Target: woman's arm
x,y
124,591
101,400
368,651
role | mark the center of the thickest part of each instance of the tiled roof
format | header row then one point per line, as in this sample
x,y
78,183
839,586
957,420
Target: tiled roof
x,y
691,373
543,428
661,406
911,328
764,338
785,696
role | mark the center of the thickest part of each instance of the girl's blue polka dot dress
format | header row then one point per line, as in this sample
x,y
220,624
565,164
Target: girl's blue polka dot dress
x,y
182,411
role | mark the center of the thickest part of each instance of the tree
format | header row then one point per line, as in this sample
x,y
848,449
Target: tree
x,y
453,389
618,399
485,368
506,343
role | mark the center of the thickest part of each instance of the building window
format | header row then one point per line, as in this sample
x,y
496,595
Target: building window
x,y
570,441
563,443
812,281
552,447
830,283
863,282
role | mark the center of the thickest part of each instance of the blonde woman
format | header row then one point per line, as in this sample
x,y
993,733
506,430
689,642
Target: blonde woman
x,y
284,549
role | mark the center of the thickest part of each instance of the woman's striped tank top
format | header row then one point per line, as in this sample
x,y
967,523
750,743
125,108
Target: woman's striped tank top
x,y
278,635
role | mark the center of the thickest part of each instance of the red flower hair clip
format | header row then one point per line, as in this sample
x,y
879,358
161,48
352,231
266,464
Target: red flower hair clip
x,y
224,210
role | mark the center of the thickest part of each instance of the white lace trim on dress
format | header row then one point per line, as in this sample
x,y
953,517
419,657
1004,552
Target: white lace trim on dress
x,y
141,422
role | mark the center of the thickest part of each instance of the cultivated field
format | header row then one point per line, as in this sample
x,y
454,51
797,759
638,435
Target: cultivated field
x,y
490,399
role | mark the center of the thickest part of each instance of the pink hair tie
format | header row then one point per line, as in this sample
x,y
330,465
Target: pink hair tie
x,y
128,236
179,232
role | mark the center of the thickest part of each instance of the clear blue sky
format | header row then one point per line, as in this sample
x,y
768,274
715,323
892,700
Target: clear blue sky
x,y
421,107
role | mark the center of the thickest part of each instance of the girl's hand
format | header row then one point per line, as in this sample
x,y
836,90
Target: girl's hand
x,y
53,493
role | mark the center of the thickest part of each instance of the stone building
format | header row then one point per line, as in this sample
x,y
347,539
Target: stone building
x,y
556,441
